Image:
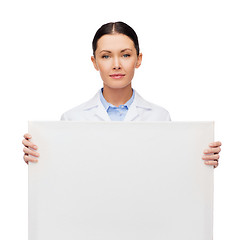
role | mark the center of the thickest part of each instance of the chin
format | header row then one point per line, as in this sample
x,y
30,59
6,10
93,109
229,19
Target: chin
x,y
117,85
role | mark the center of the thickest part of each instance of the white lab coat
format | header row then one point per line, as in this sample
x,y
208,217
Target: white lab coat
x,y
139,110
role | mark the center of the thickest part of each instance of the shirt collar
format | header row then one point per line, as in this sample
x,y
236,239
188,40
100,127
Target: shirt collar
x,y
107,104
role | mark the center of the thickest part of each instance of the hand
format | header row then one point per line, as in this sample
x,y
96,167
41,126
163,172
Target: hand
x,y
212,154
29,153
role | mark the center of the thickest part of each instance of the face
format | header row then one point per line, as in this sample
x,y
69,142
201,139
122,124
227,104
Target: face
x,y
116,59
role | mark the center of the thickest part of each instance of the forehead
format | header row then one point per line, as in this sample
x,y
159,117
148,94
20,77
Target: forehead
x,y
114,42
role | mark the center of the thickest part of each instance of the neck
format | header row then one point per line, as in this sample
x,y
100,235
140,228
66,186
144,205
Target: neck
x,y
117,96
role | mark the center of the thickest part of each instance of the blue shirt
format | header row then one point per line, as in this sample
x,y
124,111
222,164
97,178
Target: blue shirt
x,y
116,113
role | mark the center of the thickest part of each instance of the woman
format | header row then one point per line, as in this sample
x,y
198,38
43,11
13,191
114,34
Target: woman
x,y
116,56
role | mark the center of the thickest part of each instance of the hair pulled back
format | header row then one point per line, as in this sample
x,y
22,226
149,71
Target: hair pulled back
x,y
113,28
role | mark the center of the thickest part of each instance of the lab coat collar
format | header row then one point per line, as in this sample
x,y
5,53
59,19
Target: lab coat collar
x,y
96,107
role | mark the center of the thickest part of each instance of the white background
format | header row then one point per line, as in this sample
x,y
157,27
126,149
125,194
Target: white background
x,y
191,66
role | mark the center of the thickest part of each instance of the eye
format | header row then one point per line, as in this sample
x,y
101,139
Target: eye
x,y
105,56
126,55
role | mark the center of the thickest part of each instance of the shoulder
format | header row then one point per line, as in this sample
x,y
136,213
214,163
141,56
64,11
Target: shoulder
x,y
160,113
80,112
153,112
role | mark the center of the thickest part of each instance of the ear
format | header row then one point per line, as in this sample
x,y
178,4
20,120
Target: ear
x,y
94,63
139,60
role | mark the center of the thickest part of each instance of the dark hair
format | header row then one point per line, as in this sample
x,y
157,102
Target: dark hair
x,y
112,28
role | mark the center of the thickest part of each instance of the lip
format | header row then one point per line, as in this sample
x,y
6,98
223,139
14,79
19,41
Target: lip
x,y
117,75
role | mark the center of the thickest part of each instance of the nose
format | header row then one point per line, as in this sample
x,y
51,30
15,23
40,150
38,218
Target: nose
x,y
116,63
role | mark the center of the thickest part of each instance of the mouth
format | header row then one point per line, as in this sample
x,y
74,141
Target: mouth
x,y
117,76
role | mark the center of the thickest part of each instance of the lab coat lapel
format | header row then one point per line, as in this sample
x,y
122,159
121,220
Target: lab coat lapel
x,y
138,106
132,112
101,112
96,109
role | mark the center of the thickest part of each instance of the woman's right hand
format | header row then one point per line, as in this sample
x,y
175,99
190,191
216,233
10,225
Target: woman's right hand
x,y
29,149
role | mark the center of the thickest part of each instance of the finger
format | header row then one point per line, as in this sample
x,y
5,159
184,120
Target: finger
x,y
28,151
27,136
212,163
212,150
215,144
25,160
211,157
27,143
28,158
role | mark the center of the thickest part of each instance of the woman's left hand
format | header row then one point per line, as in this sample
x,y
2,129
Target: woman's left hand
x,y
211,155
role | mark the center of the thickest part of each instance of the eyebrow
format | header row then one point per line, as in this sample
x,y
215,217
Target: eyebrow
x,y
121,50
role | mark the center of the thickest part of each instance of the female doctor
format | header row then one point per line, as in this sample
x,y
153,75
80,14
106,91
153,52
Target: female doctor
x,y
116,56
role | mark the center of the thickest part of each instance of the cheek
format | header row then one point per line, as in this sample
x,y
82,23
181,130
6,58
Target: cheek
x,y
130,66
104,68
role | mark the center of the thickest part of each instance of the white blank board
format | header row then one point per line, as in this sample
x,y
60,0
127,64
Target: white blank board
x,y
121,181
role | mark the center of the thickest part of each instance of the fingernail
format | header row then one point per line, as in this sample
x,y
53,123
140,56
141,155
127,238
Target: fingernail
x,y
35,147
